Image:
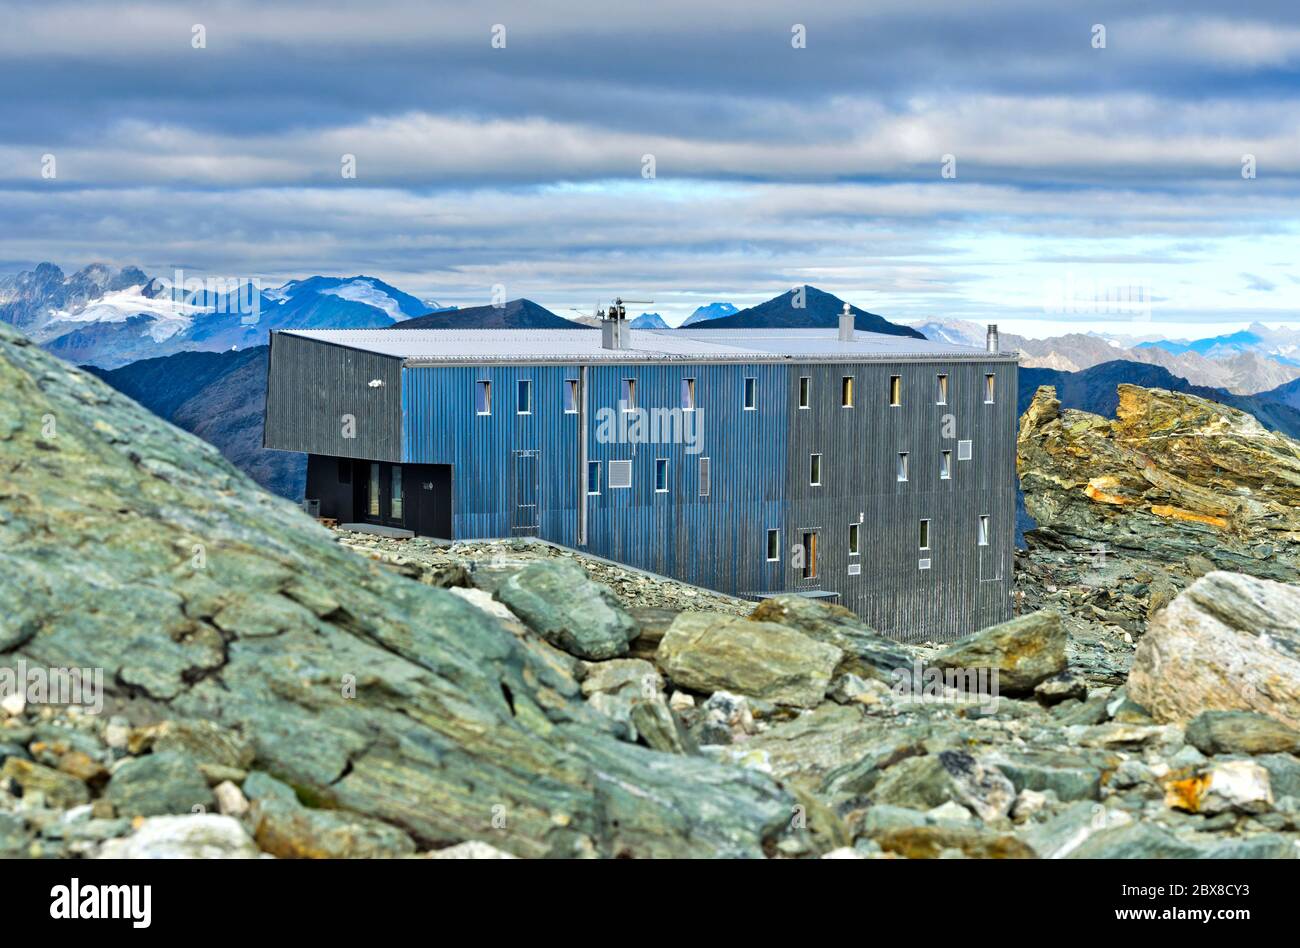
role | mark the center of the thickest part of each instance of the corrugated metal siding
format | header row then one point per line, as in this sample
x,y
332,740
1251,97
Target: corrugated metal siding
x,y
759,464
311,386
966,587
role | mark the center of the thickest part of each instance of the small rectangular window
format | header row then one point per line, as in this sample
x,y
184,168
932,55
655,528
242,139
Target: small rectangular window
x,y
846,392
688,394
773,546
704,477
372,496
945,465
923,563
593,477
570,396
805,391
810,556
902,465
941,394
661,475
853,539
483,398
628,399
751,394
963,450
524,405
895,390
925,534
395,494
620,474
989,382
984,530
815,470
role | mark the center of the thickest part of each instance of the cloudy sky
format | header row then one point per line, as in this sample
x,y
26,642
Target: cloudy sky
x,y
510,143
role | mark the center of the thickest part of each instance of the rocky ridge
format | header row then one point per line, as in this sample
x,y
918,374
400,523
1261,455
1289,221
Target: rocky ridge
x,y
276,689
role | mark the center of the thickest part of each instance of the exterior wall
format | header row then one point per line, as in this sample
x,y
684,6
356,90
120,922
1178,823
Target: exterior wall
x,y
759,463
967,586
310,387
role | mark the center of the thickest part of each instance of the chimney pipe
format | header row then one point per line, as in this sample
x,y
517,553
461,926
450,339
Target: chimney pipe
x,y
992,341
846,324
613,327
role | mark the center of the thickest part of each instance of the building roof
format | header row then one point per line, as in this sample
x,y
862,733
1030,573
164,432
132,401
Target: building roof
x,y
432,346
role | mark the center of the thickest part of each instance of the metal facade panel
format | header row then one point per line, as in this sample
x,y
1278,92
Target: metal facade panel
x,y
966,587
313,388
759,477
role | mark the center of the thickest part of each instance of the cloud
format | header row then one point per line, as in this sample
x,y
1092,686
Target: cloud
x,y
774,165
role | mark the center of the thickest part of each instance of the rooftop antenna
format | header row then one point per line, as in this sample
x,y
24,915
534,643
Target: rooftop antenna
x,y
613,324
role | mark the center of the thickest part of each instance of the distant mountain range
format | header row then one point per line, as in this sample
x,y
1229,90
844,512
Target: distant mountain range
x,y
516,314
219,396
1244,363
649,321
109,318
806,307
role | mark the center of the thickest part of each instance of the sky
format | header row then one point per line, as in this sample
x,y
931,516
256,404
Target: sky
x,y
1050,167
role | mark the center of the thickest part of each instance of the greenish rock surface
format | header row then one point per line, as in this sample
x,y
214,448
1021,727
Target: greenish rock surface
x,y
205,599
57,788
1241,732
867,653
1024,651
711,652
159,784
560,602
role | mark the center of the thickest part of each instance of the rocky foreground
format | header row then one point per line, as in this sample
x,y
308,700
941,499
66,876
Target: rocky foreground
x,y
278,689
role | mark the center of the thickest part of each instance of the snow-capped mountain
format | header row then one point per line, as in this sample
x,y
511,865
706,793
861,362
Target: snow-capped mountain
x,y
712,311
108,318
649,321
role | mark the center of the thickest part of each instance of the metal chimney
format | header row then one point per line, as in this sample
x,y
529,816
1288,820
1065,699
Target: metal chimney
x,y
613,327
992,342
846,324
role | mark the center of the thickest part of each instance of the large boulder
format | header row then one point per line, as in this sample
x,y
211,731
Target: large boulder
x,y
560,602
1023,651
204,598
1228,642
1241,732
867,653
709,651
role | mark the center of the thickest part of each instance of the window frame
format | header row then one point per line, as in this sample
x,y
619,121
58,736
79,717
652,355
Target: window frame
x,y
593,466
983,529
941,394
923,537
627,395
688,393
809,569
661,465
815,469
749,394
484,386
895,391
773,537
945,464
805,393
990,388
903,471
705,476
846,391
571,396
523,386
855,539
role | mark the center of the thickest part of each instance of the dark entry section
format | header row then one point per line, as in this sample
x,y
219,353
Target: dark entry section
x,y
428,499
414,497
